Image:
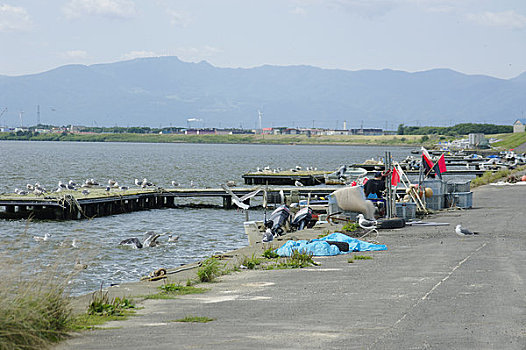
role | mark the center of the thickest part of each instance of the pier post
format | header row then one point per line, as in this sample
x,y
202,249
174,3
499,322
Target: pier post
x,y
227,202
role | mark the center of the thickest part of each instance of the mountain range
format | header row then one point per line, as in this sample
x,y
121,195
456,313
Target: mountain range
x,y
165,91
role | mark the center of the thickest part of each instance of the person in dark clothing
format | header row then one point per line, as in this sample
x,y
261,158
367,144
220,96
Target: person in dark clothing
x,y
376,185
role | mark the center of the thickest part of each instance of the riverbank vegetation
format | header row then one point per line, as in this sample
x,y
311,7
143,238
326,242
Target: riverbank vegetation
x,y
456,130
509,141
407,140
35,310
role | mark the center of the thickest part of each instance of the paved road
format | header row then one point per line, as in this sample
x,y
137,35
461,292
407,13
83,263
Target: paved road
x,y
431,289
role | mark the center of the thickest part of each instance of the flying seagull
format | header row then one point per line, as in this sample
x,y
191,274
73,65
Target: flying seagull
x,y
464,231
239,201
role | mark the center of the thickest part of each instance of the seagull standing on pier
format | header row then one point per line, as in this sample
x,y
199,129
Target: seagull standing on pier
x,y
464,231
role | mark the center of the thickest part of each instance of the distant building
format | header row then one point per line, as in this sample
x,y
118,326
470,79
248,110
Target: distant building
x,y
475,140
370,131
519,125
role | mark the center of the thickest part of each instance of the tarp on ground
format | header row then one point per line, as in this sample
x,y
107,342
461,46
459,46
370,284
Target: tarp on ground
x,y
320,247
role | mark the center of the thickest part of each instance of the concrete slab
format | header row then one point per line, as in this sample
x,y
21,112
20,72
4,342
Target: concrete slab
x,y
431,289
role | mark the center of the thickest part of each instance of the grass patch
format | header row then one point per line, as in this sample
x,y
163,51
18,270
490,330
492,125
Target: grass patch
x,y
508,141
101,305
350,227
195,319
33,316
270,254
350,260
363,257
295,261
489,177
87,322
210,270
172,290
251,263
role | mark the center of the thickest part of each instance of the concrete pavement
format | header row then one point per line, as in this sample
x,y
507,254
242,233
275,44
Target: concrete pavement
x,y
431,289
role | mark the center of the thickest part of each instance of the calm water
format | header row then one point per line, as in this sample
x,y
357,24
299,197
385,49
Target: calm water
x,y
202,231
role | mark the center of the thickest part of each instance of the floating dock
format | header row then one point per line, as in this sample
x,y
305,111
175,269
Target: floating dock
x,y
72,205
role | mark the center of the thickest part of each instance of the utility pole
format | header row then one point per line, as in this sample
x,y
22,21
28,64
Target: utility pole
x,y
38,115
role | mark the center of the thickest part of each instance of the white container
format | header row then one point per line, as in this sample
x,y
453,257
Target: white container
x,y
254,231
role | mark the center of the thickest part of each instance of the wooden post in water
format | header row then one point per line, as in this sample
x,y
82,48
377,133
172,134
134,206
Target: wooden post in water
x,y
227,202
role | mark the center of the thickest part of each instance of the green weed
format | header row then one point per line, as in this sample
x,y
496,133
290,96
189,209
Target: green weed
x,y
363,257
270,254
195,319
209,270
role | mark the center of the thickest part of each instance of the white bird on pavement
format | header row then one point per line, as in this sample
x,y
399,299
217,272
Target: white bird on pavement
x,y
366,224
464,231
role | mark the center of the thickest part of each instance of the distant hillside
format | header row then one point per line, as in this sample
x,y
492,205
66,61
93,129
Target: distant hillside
x,y
166,91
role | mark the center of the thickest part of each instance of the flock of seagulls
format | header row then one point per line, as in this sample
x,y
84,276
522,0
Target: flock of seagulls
x,y
297,168
85,187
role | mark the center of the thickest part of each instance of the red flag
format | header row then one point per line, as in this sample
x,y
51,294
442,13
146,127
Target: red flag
x,y
442,164
427,157
395,177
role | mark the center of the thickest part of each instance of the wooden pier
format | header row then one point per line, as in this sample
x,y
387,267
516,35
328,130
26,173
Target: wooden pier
x,y
72,205
307,178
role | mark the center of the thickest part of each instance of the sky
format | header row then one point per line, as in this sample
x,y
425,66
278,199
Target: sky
x,y
470,36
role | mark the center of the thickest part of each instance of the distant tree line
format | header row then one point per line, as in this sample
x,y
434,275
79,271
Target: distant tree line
x,y
459,129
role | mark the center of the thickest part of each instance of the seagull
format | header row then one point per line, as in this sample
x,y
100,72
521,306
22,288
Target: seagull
x,y
298,183
268,236
123,188
30,187
40,239
172,238
138,183
61,185
39,188
20,192
72,183
231,183
70,187
38,192
85,192
175,184
112,182
108,188
149,241
464,231
366,224
146,183
79,266
132,241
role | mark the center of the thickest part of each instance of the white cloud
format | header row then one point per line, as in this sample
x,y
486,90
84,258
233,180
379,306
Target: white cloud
x,y
14,19
140,54
178,18
192,54
196,54
76,54
104,8
509,19
299,11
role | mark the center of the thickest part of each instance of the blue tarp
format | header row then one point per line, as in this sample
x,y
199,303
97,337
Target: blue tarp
x,y
319,247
